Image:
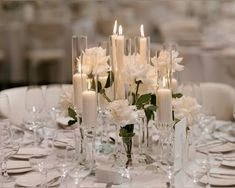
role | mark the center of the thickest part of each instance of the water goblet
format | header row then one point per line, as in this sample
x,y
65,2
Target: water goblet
x,y
4,108
64,150
9,146
196,165
34,104
52,98
84,157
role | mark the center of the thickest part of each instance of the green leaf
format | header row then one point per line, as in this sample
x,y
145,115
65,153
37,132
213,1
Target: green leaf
x,y
149,114
72,113
142,100
177,95
109,80
153,99
152,108
124,132
71,122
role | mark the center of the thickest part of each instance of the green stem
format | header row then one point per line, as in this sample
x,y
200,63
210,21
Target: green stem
x,y
136,92
106,97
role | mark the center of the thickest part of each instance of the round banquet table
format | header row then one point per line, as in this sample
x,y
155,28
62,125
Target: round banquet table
x,y
142,177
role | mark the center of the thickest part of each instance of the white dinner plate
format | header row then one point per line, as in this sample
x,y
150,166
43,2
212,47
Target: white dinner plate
x,y
215,181
20,170
18,166
225,136
23,157
229,163
33,179
227,147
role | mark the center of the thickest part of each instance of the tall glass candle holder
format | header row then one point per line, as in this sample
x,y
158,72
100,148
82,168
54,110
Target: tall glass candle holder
x,y
142,48
79,45
170,48
120,48
89,104
164,122
105,80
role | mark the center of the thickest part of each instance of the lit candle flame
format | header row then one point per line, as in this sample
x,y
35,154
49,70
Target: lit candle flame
x,y
115,28
120,30
142,30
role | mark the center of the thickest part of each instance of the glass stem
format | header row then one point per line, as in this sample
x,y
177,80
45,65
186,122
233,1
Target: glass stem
x,y
44,180
35,136
208,179
4,169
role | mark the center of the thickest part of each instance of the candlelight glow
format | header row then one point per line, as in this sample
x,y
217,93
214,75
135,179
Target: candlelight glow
x,y
142,30
164,82
115,28
120,30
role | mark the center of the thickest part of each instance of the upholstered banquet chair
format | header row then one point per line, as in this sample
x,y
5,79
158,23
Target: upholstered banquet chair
x,y
219,99
17,103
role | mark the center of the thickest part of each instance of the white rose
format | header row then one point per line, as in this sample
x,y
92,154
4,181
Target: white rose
x,y
95,61
186,107
162,62
176,61
66,99
150,83
121,113
134,70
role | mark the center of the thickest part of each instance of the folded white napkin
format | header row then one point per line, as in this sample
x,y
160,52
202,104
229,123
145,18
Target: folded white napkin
x,y
62,143
223,171
223,148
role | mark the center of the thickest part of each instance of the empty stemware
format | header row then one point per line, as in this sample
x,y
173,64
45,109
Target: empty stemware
x,y
196,164
52,98
34,104
9,145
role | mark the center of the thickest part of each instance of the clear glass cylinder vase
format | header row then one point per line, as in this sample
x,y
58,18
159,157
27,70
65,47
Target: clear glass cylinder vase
x,y
127,144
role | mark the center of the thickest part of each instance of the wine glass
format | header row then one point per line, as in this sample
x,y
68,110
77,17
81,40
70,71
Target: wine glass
x,y
64,151
83,163
4,108
9,146
196,165
34,104
52,99
169,157
43,165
